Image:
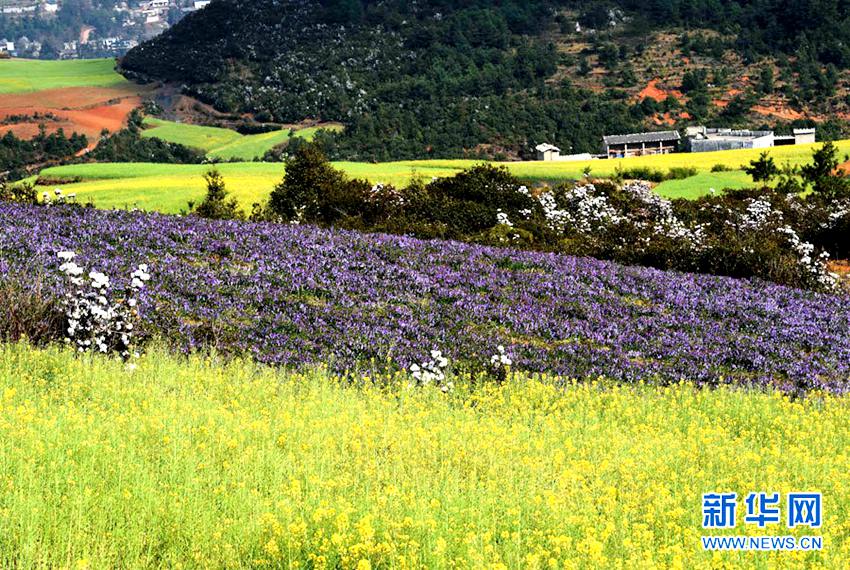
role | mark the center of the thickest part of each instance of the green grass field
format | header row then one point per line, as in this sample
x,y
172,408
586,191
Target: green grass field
x,y
167,188
25,75
194,464
224,144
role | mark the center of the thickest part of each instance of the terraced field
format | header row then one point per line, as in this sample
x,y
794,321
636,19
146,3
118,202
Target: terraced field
x,y
167,188
224,144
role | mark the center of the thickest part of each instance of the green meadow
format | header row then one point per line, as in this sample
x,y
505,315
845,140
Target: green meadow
x,y
223,144
26,75
168,187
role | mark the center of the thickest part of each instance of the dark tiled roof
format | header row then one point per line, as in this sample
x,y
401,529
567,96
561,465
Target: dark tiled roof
x,y
642,137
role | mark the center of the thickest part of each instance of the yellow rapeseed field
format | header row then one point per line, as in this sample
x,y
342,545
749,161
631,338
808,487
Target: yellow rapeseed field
x,y
192,463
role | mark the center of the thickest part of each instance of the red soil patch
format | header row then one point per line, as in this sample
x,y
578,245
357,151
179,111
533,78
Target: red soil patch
x,y
667,119
844,167
652,91
86,110
779,112
110,117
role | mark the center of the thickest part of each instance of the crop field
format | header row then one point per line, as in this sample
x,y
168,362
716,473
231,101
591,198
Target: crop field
x,y
225,144
167,188
196,463
27,75
299,295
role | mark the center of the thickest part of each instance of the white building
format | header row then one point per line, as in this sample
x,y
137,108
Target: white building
x,y
804,136
547,152
702,139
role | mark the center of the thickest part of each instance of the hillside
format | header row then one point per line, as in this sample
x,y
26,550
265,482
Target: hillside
x,y
446,79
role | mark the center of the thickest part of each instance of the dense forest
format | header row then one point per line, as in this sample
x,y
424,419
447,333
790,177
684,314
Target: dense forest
x,y
442,78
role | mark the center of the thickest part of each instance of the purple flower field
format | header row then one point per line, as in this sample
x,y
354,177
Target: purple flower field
x,y
294,295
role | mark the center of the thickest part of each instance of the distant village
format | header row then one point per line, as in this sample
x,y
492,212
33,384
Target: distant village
x,y
135,21
696,139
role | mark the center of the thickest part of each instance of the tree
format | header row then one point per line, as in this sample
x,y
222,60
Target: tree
x,y
584,67
763,169
309,179
766,81
824,175
217,205
694,81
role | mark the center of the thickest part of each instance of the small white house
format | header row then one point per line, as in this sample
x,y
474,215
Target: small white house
x,y
547,152
804,136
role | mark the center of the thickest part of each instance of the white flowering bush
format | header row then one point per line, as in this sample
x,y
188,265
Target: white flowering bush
x,y
500,364
814,266
580,209
99,319
432,372
661,219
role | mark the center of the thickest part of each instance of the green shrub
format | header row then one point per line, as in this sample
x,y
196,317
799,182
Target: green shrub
x,y
681,172
18,193
216,204
314,191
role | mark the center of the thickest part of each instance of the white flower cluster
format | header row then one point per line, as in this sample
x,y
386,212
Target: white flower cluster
x,y
502,219
432,372
96,323
814,265
841,210
582,210
525,212
58,198
501,358
759,214
556,218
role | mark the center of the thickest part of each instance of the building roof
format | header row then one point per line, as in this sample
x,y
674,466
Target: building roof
x,y
546,147
657,136
732,135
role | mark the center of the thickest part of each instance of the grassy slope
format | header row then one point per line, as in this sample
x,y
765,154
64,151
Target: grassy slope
x,y
167,188
210,466
225,144
204,138
25,75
